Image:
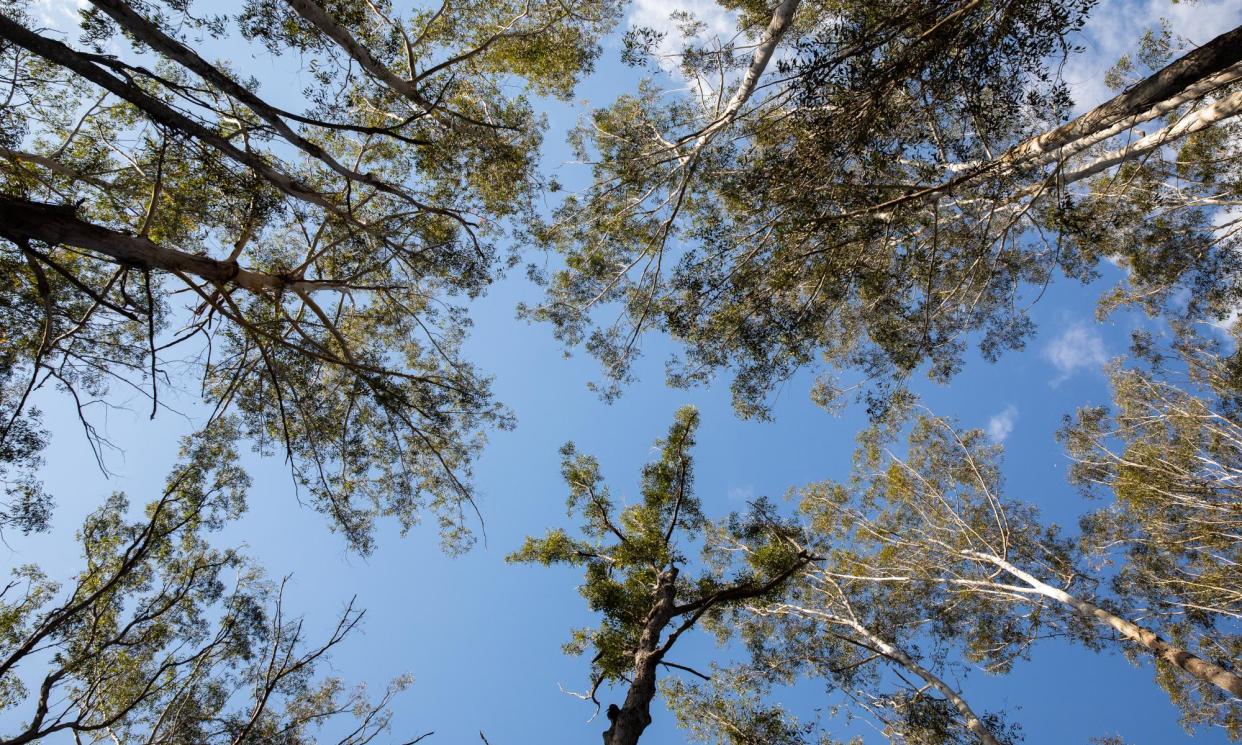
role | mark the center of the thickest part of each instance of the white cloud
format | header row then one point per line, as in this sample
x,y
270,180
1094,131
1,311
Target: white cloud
x,y
61,15
1001,425
719,28
741,493
1079,347
657,14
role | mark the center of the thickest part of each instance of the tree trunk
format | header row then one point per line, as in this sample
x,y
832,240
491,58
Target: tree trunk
x,y
1217,55
635,714
973,722
1196,121
1200,71
1180,658
315,15
782,18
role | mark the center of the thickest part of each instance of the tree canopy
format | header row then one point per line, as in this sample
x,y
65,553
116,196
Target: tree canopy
x,y
904,181
635,572
307,253
162,638
864,189
925,570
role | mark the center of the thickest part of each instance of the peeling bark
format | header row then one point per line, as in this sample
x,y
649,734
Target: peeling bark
x,y
1195,121
1206,61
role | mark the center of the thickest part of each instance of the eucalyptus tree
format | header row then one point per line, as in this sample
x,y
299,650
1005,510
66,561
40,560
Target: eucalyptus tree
x,y
164,638
924,556
636,576
309,251
735,707
1167,456
872,619
878,183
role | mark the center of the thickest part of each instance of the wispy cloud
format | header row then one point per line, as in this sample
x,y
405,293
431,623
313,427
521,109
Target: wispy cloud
x,y
62,15
741,493
658,14
1001,425
1079,347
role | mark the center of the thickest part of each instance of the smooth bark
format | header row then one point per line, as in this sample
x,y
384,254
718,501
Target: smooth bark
x,y
782,18
1195,121
1180,658
1200,71
972,720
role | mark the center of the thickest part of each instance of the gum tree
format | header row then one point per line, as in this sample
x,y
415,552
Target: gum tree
x,y
304,257
637,576
933,551
163,638
874,185
1165,459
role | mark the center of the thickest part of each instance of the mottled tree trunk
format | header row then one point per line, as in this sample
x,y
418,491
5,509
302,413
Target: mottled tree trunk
x,y
1180,658
635,713
973,722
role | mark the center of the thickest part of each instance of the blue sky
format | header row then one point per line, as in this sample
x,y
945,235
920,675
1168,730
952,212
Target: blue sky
x,y
482,638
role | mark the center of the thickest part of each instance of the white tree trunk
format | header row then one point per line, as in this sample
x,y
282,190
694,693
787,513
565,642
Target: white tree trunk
x,y
782,17
1195,121
1176,656
972,720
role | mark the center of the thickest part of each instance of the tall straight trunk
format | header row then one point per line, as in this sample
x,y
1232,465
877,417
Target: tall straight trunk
x,y
1206,61
635,714
1195,74
1195,121
782,18
1229,106
973,722
1180,658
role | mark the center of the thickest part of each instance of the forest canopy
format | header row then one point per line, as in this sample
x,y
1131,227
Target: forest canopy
x,y
291,234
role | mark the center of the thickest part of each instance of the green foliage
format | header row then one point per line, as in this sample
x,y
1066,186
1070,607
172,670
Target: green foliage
x,y
344,238
164,638
1165,456
863,213
765,251
637,577
623,551
729,710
